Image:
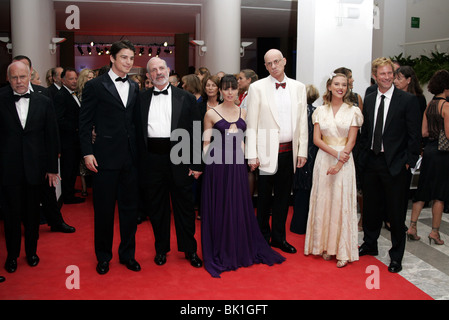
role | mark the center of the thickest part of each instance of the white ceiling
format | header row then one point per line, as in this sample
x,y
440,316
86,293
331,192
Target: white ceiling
x,y
260,18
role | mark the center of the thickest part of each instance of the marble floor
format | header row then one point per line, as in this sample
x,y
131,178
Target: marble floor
x,y
424,265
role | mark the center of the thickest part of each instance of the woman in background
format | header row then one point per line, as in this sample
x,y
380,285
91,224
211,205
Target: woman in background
x,y
433,183
84,76
244,79
302,182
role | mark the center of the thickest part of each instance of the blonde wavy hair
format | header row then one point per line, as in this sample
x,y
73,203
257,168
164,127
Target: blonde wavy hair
x,y
327,97
82,79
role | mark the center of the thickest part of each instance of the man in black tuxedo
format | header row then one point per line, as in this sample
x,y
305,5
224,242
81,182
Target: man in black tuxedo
x,y
164,109
67,107
29,154
390,144
111,104
49,203
57,82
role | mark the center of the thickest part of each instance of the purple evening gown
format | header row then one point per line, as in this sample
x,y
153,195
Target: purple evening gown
x,y
230,234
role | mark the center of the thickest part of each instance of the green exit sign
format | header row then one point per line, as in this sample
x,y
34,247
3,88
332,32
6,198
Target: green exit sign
x,y
415,22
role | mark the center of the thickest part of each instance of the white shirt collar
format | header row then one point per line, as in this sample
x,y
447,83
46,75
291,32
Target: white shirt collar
x,y
274,80
21,94
113,75
70,91
387,94
165,88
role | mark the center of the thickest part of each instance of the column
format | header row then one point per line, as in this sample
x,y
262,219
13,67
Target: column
x,y
221,21
333,34
32,28
387,40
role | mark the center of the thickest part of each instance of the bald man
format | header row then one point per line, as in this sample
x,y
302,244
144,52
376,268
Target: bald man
x,y
29,155
277,137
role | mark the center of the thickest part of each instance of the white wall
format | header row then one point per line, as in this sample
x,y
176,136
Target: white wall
x,y
324,45
434,18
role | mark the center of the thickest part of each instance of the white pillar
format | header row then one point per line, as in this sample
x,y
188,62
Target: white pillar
x,y
32,28
326,41
221,23
388,39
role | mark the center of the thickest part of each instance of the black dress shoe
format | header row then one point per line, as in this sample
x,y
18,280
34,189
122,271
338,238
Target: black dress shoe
x,y
284,246
394,267
103,267
11,265
33,260
160,259
195,261
131,264
2,279
363,251
63,227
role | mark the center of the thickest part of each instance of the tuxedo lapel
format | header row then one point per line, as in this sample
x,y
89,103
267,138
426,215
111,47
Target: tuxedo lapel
x,y
176,109
371,106
269,89
395,100
11,106
32,109
110,87
131,93
293,99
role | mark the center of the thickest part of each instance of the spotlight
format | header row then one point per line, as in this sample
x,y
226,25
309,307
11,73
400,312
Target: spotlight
x,y
80,50
158,52
150,52
107,50
98,51
165,44
92,44
141,51
89,51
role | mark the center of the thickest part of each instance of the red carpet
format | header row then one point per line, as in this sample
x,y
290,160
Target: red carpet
x,y
299,278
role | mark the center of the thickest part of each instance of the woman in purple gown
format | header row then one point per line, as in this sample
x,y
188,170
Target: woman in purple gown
x,y
230,235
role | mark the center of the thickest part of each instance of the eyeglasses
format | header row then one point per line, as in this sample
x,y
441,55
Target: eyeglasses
x,y
272,63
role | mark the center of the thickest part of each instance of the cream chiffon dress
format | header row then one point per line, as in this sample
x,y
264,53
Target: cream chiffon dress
x,y
332,221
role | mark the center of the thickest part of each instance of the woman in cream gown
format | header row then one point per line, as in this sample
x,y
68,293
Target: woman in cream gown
x,y
332,222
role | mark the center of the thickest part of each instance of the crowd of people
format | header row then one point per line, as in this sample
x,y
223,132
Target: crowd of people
x,y
121,134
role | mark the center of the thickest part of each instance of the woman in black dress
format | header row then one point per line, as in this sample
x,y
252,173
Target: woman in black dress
x,y
433,181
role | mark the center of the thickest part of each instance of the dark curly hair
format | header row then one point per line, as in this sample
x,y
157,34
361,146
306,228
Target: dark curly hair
x,y
439,82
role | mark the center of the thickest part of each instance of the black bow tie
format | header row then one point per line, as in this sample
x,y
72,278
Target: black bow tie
x,y
156,93
122,79
18,97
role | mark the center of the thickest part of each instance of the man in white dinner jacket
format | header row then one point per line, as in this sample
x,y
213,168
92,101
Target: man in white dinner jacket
x,y
277,137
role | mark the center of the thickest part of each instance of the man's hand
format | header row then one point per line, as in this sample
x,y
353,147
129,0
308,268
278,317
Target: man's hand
x,y
195,174
253,163
52,179
91,163
301,162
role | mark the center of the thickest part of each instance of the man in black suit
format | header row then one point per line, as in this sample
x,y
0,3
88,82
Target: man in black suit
x,y
57,82
49,203
29,154
67,107
164,109
390,143
111,104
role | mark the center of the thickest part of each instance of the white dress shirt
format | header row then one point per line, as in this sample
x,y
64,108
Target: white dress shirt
x,y
284,107
159,117
388,95
22,107
122,87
